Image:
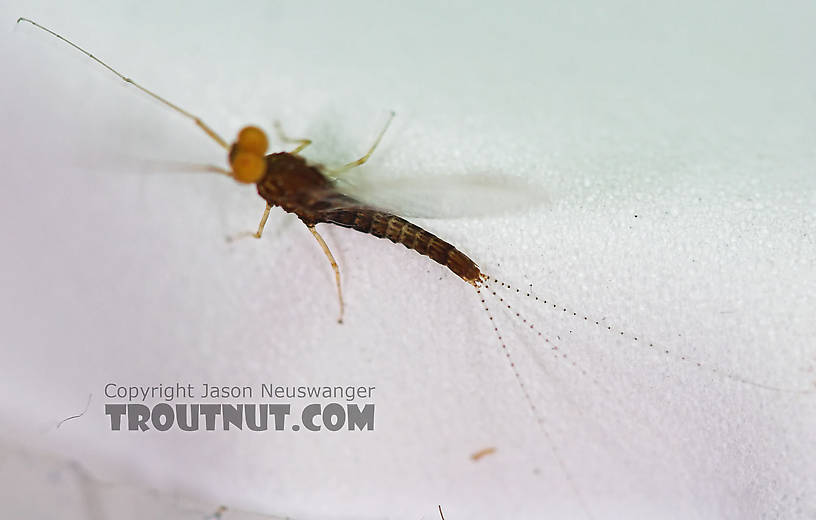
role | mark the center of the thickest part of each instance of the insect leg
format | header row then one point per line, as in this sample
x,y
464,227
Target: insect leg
x,y
286,139
334,266
258,233
207,130
363,159
217,169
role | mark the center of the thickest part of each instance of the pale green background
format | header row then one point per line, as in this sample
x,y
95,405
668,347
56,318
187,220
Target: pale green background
x,y
698,119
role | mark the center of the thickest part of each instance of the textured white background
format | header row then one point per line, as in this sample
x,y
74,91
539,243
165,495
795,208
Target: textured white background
x,y
678,149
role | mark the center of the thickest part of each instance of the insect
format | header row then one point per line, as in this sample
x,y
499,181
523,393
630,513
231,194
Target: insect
x,y
288,181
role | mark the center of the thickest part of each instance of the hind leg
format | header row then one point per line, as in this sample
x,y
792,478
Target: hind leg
x,y
334,267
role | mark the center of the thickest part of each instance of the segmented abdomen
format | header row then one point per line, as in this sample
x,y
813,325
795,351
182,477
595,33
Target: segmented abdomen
x,y
400,231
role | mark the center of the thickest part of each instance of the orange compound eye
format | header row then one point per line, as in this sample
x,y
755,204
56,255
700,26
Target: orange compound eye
x,y
253,140
248,167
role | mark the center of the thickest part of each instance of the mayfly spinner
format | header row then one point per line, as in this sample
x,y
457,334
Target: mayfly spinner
x,y
288,181
315,195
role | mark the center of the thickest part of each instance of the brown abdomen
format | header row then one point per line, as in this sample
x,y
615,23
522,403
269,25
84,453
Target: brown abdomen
x,y
400,231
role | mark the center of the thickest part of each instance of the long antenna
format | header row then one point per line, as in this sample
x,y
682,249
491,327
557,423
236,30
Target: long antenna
x,y
209,131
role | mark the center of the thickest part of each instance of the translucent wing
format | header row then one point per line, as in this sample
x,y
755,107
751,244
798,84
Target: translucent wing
x,y
426,196
441,196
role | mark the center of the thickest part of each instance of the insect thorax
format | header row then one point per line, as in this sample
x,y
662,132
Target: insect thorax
x,y
289,178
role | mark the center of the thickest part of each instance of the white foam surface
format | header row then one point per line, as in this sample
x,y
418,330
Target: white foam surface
x,y
677,148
